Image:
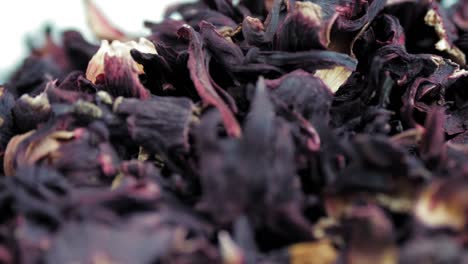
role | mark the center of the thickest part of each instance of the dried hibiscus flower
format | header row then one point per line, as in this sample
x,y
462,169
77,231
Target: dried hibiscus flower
x,y
238,132
114,68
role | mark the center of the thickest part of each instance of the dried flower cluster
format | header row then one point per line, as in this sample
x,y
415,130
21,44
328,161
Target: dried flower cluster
x,y
267,131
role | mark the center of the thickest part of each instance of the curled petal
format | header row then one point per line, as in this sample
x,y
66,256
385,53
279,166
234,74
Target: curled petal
x,y
201,80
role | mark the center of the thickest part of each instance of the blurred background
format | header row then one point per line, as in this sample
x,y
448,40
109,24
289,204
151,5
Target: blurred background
x,y
20,19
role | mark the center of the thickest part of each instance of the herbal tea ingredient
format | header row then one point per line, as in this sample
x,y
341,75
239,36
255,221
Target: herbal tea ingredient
x,y
275,131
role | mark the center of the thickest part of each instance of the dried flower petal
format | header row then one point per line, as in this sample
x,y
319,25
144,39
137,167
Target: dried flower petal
x,y
305,28
100,25
120,73
229,250
436,20
321,252
7,102
120,50
199,74
370,237
443,204
158,124
30,111
334,77
353,115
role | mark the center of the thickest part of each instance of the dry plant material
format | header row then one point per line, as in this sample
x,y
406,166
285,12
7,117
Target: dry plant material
x,y
245,132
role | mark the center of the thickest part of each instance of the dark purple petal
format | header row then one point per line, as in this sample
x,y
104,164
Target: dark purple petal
x,y
200,77
120,79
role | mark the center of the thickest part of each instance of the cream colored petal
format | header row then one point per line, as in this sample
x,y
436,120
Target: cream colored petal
x,y
8,164
96,64
438,211
118,49
334,77
433,19
230,252
39,102
320,252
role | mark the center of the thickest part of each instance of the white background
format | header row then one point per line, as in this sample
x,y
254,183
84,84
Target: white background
x,y
20,18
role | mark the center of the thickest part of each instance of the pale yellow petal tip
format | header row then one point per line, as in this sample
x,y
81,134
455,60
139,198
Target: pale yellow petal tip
x,y
433,19
96,64
443,205
146,46
105,97
230,252
310,10
40,101
8,160
320,252
334,77
117,182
